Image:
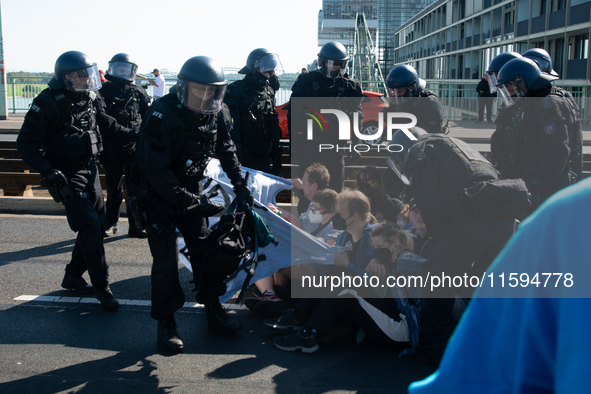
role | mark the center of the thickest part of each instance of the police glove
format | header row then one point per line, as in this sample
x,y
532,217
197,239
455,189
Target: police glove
x,y
243,195
202,206
55,177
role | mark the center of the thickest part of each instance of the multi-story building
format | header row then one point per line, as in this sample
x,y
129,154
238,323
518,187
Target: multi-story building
x,y
336,21
391,15
456,39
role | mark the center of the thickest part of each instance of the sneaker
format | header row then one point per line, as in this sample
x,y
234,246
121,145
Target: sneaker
x,y
218,318
289,321
135,232
304,340
111,231
77,284
106,298
168,338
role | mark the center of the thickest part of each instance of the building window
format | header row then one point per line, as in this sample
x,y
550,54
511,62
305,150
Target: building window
x,y
578,46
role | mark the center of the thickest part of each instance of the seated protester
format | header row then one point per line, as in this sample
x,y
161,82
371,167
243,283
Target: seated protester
x,y
423,245
324,213
368,177
316,177
353,207
376,197
380,319
395,211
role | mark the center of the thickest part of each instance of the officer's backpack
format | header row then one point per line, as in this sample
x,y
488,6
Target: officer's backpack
x,y
231,246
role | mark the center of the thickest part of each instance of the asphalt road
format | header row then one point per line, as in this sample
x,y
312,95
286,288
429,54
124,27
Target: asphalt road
x,y
63,346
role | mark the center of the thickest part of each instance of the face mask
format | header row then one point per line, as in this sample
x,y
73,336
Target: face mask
x,y
315,217
384,255
401,224
339,223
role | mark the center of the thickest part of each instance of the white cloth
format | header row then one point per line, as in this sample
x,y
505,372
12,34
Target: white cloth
x,y
294,244
159,90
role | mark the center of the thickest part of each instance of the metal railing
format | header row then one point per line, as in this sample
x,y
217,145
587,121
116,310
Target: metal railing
x,y
458,99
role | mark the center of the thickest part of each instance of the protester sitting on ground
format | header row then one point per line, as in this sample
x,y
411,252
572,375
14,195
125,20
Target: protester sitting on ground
x,y
532,339
379,318
357,220
368,177
395,211
316,177
319,224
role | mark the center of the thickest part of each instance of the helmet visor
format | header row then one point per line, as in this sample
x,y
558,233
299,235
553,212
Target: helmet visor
x,y
397,167
122,70
198,97
399,95
83,80
512,91
492,81
333,68
269,64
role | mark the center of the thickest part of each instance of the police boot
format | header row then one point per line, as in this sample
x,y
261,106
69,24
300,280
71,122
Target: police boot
x,y
218,318
106,298
135,232
168,338
77,284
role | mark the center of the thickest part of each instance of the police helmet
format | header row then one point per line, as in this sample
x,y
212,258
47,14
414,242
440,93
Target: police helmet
x,y
518,77
122,66
76,72
404,81
201,85
495,65
333,59
542,59
264,61
399,147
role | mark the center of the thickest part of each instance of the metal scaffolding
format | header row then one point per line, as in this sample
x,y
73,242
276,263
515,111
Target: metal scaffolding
x,y
365,67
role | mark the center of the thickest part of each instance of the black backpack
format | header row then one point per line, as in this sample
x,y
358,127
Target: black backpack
x,y
231,246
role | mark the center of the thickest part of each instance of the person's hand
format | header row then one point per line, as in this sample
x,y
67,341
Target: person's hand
x,y
376,268
273,208
243,195
341,259
55,177
297,183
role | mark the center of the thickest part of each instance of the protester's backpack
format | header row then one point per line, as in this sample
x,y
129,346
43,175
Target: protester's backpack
x,y
232,245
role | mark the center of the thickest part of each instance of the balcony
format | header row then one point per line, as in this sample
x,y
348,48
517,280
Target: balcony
x,y
579,13
538,24
576,69
522,28
557,19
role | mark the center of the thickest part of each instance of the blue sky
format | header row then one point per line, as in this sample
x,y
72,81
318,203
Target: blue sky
x,y
158,34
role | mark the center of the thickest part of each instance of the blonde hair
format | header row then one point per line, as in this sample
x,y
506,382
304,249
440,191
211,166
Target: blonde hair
x,y
358,203
390,232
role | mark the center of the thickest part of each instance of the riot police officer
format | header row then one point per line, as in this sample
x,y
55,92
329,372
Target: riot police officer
x,y
536,146
177,137
65,120
408,94
437,170
505,114
256,131
329,80
571,112
127,103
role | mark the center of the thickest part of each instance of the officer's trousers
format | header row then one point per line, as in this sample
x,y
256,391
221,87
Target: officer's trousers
x,y
464,247
86,215
116,163
162,222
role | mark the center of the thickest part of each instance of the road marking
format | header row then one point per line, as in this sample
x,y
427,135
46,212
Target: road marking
x,y
92,300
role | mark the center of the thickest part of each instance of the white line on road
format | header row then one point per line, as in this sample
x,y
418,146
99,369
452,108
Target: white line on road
x,y
92,300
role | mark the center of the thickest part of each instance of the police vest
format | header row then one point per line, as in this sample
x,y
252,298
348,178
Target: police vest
x,y
122,102
259,121
74,135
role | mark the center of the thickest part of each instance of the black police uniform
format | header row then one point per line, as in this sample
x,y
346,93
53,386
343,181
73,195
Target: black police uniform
x,y
127,103
532,142
314,84
174,146
256,131
465,241
66,125
425,105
